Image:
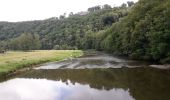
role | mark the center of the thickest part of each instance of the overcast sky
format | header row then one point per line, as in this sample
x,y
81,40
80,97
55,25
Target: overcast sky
x,y
23,10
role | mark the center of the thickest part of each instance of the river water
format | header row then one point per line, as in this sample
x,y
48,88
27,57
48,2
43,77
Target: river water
x,y
93,77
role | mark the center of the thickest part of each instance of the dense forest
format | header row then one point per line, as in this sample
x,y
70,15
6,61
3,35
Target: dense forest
x,y
64,32
140,31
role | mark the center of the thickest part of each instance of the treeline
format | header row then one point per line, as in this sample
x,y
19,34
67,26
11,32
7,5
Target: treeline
x,y
63,32
25,42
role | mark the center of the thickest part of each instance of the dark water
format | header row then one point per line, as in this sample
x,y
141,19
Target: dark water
x,y
98,77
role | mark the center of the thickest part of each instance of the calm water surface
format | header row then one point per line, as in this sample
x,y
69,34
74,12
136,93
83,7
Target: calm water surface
x,y
97,77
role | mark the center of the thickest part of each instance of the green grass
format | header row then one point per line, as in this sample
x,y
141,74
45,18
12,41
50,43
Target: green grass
x,y
14,60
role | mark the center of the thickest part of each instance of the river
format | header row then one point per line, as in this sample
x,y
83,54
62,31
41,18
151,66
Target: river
x,y
93,77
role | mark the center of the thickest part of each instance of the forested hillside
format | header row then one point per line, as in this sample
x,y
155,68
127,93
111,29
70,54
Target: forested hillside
x,y
140,31
64,32
144,34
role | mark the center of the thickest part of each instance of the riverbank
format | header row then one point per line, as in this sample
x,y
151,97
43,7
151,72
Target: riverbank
x,y
14,60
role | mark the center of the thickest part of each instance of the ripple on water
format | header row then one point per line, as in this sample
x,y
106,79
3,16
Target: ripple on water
x,y
97,61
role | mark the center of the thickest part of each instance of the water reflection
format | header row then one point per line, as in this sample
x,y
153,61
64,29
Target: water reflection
x,y
43,89
142,83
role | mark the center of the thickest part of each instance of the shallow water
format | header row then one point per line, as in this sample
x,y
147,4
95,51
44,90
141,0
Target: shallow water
x,y
96,61
98,77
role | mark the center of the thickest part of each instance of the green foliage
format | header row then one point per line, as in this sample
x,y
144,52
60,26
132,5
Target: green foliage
x,y
130,3
70,32
93,9
24,42
2,45
144,33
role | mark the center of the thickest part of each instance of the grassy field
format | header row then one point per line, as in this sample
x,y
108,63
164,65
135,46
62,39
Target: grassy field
x,y
11,61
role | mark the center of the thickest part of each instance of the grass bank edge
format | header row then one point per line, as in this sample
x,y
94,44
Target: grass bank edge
x,y
14,66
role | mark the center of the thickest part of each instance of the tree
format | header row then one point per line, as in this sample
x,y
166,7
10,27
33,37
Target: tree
x,y
106,6
62,16
26,41
124,5
130,3
2,47
71,14
93,9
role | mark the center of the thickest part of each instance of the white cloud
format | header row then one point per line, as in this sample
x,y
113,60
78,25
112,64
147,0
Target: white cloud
x,y
43,89
21,10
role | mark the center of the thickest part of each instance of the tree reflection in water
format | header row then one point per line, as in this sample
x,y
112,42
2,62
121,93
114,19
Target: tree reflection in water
x,y
143,83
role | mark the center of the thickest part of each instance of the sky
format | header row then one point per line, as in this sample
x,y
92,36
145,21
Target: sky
x,y
26,10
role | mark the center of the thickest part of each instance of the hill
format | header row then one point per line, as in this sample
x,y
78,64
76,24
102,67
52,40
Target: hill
x,y
64,32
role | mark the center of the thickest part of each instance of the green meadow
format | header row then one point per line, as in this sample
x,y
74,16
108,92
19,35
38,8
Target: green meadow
x,y
13,60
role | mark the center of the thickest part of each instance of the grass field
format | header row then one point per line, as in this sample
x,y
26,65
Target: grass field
x,y
11,61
